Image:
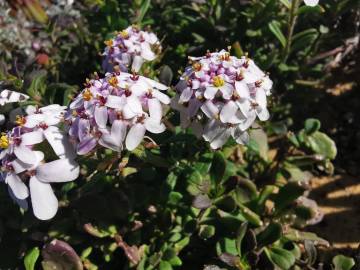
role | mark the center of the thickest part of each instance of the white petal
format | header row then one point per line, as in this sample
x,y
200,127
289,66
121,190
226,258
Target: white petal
x,y
154,126
221,139
210,92
249,121
127,112
186,95
155,84
20,166
135,136
161,96
244,106
43,199
25,154
134,104
60,170
32,138
210,109
311,3
242,89
228,111
211,130
118,130
115,102
110,142
146,52
260,98
241,137
262,113
33,120
17,186
139,88
227,91
101,116
2,119
59,142
155,109
137,63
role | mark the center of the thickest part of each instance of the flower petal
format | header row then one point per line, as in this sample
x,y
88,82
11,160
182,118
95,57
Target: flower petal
x,y
161,96
135,136
32,138
59,142
221,139
101,116
227,91
311,3
44,202
154,126
210,109
210,92
134,104
228,111
186,95
115,102
25,154
60,170
137,63
33,120
20,166
86,145
155,109
17,186
146,52
242,89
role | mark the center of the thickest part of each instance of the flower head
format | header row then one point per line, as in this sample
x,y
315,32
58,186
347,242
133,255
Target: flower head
x,y
220,96
116,109
130,46
29,172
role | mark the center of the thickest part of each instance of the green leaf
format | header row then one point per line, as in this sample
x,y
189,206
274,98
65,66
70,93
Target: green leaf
x,y
240,236
304,39
322,144
308,9
312,125
143,9
271,234
164,265
280,257
31,257
218,167
342,262
226,245
206,231
287,195
274,27
295,235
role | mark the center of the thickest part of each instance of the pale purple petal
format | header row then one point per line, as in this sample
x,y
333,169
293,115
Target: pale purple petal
x,y
17,186
210,92
228,111
210,109
101,116
43,200
60,170
59,142
135,136
86,145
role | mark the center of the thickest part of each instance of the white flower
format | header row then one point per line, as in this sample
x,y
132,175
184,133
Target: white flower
x,y
43,200
130,46
120,107
224,93
7,96
311,3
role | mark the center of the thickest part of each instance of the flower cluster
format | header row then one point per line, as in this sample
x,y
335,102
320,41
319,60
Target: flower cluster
x,y
130,46
28,171
220,96
114,109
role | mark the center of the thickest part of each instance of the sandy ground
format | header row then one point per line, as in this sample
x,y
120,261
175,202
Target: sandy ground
x,y
339,199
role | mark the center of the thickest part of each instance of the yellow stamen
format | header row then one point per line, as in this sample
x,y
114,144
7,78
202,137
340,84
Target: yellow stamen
x,y
74,113
108,43
4,142
87,95
124,34
225,57
20,120
196,66
218,81
113,81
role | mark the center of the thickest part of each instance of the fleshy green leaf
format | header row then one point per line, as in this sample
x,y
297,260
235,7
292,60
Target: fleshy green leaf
x,y
274,27
31,257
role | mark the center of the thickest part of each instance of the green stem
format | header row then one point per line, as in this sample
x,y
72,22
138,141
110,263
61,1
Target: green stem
x,y
291,26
